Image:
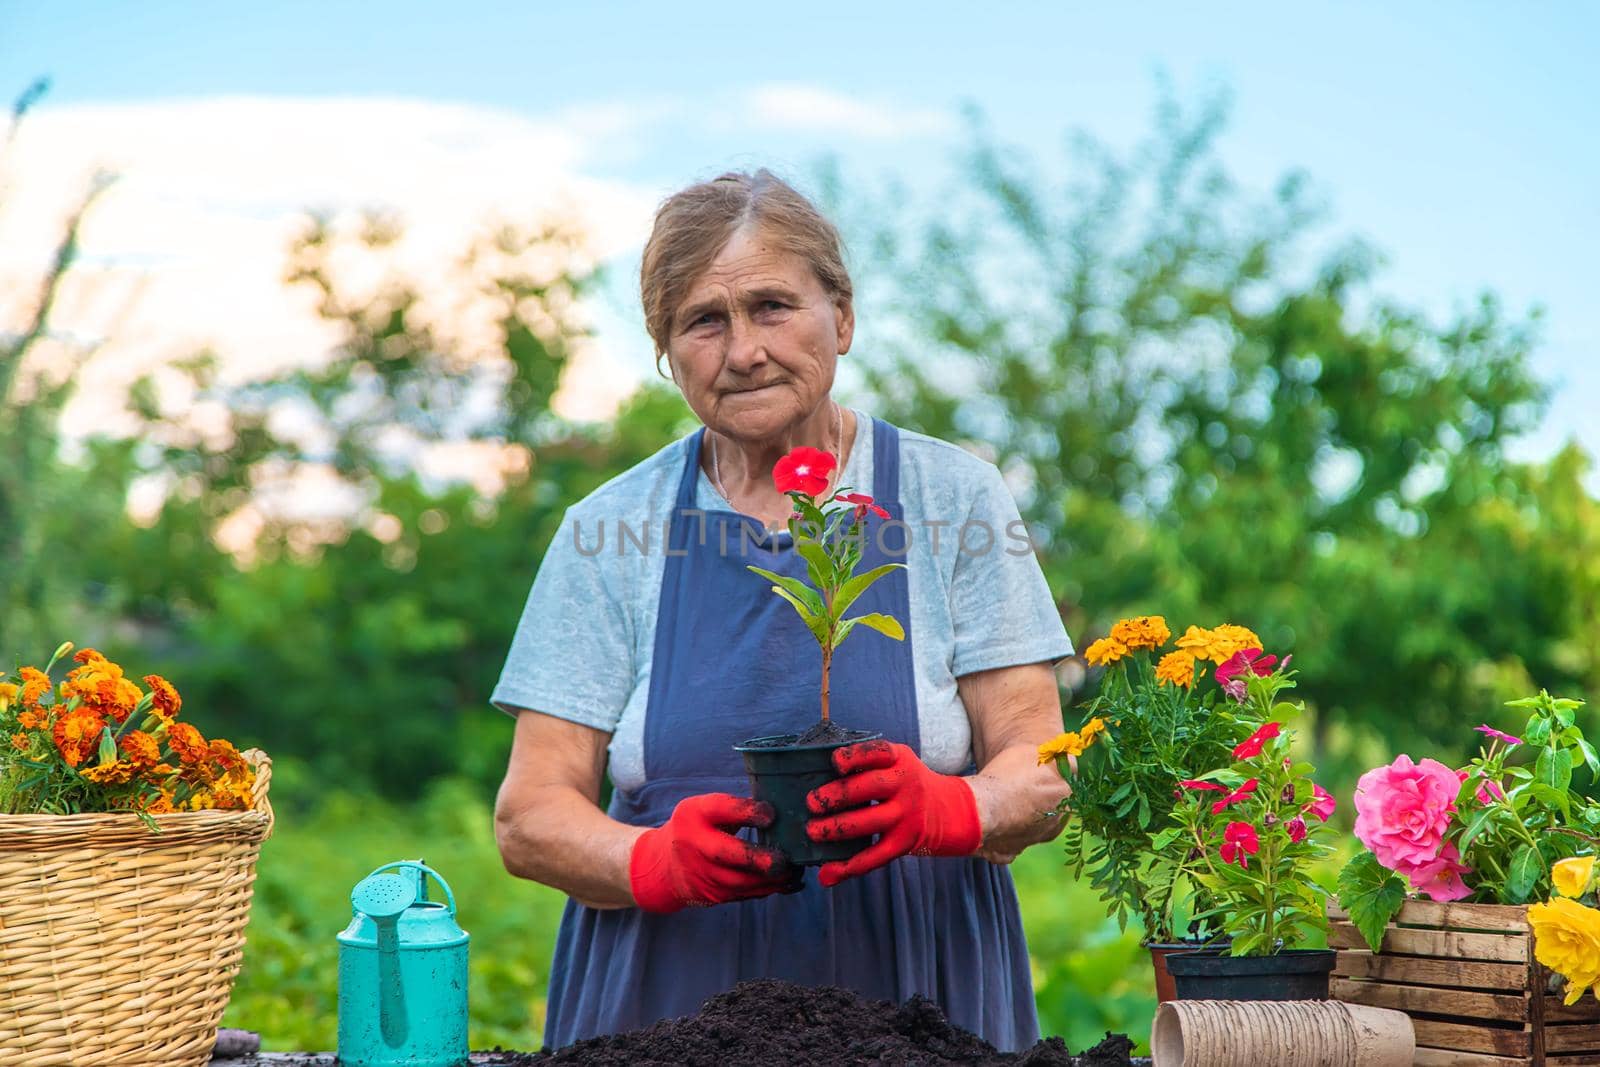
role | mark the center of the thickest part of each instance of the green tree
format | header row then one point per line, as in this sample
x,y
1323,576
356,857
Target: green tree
x,y
1206,416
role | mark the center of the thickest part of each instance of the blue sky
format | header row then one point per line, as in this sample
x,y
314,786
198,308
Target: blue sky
x,y
1460,138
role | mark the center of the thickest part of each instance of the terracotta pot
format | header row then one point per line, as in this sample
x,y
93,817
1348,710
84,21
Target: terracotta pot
x,y
1159,950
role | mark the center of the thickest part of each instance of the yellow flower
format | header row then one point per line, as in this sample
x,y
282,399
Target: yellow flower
x,y
1219,644
1105,651
8,693
1069,743
1089,729
110,773
1237,637
1567,940
1176,668
1571,876
1145,631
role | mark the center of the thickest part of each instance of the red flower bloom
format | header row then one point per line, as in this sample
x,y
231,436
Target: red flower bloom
x,y
804,470
1238,840
1297,828
1251,746
1322,803
1235,796
1191,783
1229,674
863,504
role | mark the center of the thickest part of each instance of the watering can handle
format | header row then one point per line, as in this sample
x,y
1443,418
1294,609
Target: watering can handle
x,y
449,896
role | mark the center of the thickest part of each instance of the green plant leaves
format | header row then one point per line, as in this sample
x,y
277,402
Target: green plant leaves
x,y
796,589
887,625
849,591
1527,867
1372,895
1554,768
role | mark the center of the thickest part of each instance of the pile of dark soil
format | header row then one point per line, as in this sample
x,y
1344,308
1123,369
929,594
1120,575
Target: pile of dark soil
x,y
768,1022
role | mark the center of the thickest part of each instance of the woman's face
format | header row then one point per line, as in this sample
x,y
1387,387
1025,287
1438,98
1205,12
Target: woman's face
x,y
754,343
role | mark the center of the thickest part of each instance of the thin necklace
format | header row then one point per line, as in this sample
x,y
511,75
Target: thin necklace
x,y
838,446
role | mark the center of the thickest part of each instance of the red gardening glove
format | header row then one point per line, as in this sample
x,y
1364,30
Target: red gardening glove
x,y
695,859
918,811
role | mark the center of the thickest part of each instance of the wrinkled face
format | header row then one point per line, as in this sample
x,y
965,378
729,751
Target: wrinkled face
x,y
754,343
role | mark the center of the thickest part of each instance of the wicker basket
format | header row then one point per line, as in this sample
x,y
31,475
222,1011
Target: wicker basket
x,y
118,945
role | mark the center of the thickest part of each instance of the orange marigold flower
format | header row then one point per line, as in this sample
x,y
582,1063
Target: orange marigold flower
x,y
1176,668
1144,631
161,805
77,735
187,744
35,684
111,773
140,748
96,682
166,701
34,719
19,742
1105,651
84,655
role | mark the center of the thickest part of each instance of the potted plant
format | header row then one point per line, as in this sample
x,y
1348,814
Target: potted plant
x,y
828,535
128,838
1479,882
1156,722
1254,829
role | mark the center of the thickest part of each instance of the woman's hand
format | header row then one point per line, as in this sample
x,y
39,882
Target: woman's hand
x,y
918,811
695,860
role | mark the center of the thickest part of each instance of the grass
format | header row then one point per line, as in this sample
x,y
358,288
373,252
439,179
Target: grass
x,y
1088,976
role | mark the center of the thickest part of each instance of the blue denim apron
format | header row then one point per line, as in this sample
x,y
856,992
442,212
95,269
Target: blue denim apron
x,y
733,661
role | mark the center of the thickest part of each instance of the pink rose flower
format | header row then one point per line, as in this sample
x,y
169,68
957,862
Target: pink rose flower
x,y
1403,811
1441,877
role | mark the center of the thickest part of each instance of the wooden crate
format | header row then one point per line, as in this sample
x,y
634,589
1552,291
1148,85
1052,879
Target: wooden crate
x,y
1466,975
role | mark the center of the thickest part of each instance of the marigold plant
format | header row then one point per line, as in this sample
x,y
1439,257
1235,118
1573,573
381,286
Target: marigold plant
x,y
1150,728
98,742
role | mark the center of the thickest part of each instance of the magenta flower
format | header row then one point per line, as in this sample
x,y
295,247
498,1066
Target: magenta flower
x,y
1403,811
1192,783
1297,829
1238,840
1496,735
1251,746
1229,674
1235,796
863,504
1322,803
1440,878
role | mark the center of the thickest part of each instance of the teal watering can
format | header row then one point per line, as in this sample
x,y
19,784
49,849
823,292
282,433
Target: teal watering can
x,y
402,973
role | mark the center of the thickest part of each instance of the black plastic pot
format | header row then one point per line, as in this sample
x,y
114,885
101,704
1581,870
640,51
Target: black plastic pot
x,y
782,773
1208,974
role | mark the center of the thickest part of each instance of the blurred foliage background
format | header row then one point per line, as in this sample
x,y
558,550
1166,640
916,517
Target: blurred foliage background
x,y
1206,407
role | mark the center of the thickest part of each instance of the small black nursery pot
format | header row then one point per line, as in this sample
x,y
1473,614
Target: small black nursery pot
x,y
1210,974
782,771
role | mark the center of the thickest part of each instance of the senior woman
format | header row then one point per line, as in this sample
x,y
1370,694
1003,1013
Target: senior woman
x,y
653,657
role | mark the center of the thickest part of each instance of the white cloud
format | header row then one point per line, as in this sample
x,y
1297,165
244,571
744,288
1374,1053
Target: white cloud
x,y
187,248
809,107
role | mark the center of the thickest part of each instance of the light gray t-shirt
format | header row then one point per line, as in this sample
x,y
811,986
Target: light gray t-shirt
x,y
583,648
